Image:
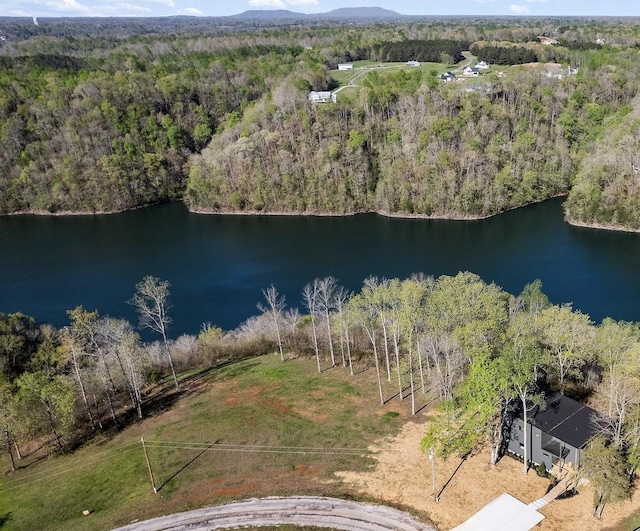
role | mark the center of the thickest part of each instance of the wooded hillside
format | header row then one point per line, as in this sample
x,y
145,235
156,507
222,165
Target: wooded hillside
x,y
220,116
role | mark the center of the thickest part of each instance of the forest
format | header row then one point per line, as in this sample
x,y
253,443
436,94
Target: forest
x,y
468,345
217,115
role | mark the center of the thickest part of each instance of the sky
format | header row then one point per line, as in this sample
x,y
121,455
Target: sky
x,y
155,8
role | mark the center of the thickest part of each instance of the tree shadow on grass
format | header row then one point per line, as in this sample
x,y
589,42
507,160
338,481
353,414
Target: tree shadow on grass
x,y
31,463
185,466
360,371
163,398
464,458
4,518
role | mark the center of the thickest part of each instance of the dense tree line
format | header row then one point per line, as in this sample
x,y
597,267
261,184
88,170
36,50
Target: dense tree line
x,y
89,136
504,55
435,51
607,188
580,45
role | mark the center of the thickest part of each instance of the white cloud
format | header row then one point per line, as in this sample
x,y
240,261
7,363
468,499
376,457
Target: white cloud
x,y
518,10
168,3
130,8
267,3
67,6
282,4
193,11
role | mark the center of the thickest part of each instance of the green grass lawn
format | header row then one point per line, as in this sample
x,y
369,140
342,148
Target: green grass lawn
x,y
253,428
342,77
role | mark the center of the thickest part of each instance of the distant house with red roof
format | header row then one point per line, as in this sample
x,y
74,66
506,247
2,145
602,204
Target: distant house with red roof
x,y
547,40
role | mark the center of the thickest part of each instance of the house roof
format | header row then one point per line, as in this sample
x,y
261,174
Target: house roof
x,y
565,419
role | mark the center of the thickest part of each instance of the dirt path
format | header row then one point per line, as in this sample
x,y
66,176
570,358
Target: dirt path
x,y
403,476
301,511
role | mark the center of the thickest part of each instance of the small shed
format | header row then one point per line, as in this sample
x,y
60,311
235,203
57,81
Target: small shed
x,y
345,66
413,63
556,435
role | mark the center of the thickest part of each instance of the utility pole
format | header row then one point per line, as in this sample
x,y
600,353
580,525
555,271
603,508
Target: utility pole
x,y
146,456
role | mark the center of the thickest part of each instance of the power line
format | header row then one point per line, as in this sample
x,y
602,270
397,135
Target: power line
x,y
59,472
95,458
254,446
258,450
180,445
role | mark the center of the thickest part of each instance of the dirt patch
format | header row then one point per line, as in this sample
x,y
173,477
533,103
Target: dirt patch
x,y
233,491
403,476
277,406
313,415
302,469
232,401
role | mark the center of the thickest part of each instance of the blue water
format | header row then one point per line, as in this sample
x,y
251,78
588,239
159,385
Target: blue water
x,y
218,265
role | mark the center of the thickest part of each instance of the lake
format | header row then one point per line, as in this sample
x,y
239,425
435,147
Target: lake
x,y
218,265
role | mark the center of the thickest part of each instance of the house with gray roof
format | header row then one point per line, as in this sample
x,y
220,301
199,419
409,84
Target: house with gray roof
x,y
556,435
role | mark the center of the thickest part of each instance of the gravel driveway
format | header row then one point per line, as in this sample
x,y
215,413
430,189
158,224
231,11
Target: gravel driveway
x,y
304,510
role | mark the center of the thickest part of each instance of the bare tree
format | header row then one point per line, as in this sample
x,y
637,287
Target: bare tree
x,y
151,301
326,298
363,307
380,293
123,346
341,299
73,346
274,309
310,294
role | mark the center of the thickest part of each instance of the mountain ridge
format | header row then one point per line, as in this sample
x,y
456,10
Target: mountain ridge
x,y
343,12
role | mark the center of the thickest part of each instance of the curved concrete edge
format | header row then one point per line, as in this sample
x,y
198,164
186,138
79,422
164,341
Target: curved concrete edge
x,y
302,510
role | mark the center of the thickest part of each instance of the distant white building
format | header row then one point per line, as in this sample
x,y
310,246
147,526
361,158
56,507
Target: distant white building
x,y
557,72
468,71
413,63
447,77
322,96
483,65
345,66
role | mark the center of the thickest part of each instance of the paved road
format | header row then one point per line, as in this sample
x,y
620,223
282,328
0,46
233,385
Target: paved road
x,y
304,510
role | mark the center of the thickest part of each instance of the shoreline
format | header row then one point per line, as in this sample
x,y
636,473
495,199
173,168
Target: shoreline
x,y
61,213
600,226
206,212
396,215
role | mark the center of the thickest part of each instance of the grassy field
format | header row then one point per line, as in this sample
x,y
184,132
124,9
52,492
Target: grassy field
x,y
343,77
252,428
